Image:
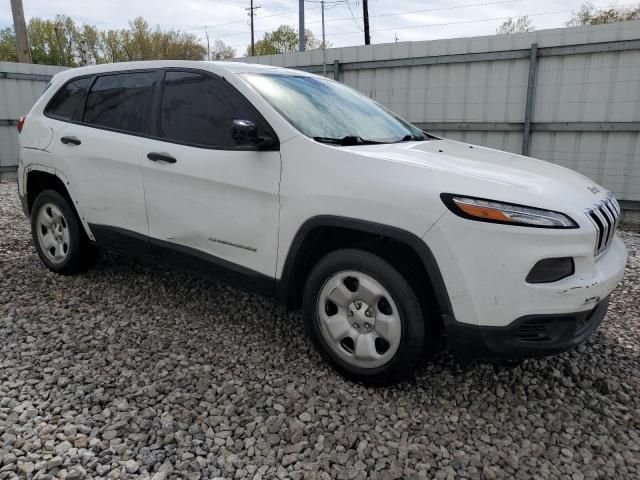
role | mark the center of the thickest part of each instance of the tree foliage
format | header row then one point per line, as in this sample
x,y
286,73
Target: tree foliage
x,y
590,15
516,25
8,51
59,42
284,39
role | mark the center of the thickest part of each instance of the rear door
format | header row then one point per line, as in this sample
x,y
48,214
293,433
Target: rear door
x,y
216,198
99,150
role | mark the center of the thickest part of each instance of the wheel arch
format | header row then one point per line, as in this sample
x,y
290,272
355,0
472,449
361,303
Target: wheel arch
x,y
322,234
38,180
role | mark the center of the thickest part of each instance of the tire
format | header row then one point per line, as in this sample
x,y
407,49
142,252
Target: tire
x,y
60,241
370,329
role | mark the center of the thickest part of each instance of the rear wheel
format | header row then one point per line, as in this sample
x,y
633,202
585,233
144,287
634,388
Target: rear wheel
x,y
58,236
364,317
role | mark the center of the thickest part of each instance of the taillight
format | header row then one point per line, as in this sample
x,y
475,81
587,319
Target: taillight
x,y
21,123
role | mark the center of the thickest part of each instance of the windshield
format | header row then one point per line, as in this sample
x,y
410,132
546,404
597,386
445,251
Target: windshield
x,y
329,111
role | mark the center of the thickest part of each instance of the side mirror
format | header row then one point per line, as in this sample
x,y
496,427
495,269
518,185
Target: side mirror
x,y
244,132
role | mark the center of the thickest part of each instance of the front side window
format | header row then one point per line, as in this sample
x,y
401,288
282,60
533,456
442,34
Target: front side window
x,y
120,101
67,103
200,109
323,109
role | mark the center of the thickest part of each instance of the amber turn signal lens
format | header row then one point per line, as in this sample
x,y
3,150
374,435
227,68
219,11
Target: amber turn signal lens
x,y
483,212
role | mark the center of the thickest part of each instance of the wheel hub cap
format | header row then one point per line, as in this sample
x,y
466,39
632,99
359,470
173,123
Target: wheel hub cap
x,y
53,233
359,319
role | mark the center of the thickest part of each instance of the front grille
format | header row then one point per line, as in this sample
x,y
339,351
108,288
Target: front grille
x,y
605,216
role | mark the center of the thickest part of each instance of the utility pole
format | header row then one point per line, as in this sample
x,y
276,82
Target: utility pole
x,y
22,41
208,48
84,48
252,12
301,26
324,45
365,17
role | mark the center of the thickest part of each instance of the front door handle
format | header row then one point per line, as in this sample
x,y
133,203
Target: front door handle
x,y
161,157
70,140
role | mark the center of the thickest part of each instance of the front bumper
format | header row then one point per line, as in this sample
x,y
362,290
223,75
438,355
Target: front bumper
x,y
529,336
484,267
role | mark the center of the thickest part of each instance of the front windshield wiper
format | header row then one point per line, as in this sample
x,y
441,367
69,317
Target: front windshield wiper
x,y
346,141
411,138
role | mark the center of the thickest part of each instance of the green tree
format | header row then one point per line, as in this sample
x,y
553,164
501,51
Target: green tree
x,y
516,25
8,45
590,15
59,42
284,39
53,42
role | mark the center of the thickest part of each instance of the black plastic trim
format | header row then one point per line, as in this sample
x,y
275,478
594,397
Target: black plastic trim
x,y
24,201
295,254
567,330
447,199
531,276
182,258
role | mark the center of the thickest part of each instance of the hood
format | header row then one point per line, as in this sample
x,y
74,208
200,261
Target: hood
x,y
483,172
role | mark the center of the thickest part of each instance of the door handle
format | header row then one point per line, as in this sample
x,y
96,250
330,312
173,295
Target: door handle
x,y
161,157
70,140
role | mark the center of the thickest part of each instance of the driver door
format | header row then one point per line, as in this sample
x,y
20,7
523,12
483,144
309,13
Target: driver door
x,y
205,194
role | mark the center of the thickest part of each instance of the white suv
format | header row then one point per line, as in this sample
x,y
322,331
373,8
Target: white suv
x,y
301,188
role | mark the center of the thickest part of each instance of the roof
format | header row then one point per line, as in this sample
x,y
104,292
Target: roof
x,y
215,67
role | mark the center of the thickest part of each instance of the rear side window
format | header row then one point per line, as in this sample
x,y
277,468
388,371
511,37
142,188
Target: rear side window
x,y
120,101
200,109
68,102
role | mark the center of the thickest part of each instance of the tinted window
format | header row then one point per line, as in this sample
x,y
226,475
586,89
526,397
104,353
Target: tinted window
x,y
66,104
120,101
200,109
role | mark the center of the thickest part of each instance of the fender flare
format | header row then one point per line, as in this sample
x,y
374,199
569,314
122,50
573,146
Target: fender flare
x,y
295,254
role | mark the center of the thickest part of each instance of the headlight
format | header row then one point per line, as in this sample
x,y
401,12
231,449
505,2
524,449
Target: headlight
x,y
505,213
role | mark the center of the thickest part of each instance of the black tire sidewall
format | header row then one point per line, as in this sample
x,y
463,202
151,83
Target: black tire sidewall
x,y
412,343
73,262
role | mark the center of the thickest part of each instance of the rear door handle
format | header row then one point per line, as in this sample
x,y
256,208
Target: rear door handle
x,y
161,157
70,140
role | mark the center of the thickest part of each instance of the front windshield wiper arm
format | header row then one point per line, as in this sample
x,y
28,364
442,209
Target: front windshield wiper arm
x,y
346,141
411,138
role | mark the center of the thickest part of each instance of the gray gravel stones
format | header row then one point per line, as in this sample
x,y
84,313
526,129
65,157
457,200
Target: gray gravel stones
x,y
136,371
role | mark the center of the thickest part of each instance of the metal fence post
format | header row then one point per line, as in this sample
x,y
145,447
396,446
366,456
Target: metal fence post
x,y
336,70
531,90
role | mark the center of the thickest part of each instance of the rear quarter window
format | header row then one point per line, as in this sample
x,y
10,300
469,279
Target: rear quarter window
x,y
68,102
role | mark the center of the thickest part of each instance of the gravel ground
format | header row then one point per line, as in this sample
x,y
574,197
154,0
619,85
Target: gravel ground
x,y
136,371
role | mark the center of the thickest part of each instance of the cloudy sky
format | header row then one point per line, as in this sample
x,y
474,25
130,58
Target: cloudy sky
x,y
227,20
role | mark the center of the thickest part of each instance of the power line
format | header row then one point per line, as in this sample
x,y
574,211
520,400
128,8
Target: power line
x,y
408,27
484,4
352,16
279,14
388,14
453,23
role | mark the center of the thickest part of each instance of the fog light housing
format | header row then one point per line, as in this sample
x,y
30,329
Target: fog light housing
x,y
551,270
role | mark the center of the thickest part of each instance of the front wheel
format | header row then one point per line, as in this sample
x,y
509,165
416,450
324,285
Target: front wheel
x,y
364,317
